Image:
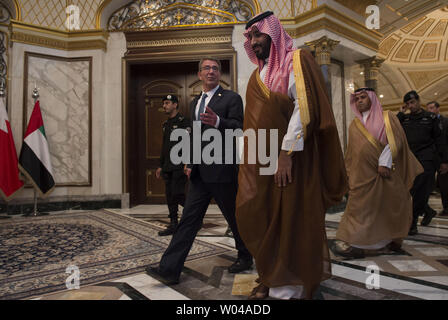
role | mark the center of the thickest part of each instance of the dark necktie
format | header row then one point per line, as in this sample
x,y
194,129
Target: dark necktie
x,y
202,106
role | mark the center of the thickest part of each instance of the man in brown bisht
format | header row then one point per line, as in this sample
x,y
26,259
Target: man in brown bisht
x,y
281,217
381,170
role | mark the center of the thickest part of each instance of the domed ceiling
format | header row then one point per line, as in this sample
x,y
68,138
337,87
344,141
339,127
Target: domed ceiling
x,y
416,58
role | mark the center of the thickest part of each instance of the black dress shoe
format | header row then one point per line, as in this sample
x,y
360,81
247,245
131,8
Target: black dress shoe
x,y
240,265
163,277
413,231
169,230
428,217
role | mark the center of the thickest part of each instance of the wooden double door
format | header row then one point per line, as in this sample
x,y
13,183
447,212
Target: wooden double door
x,y
147,84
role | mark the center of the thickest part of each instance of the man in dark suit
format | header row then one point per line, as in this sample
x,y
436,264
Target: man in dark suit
x,y
216,109
442,178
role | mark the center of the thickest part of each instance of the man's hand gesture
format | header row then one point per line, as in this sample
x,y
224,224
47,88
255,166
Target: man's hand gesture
x,y
209,117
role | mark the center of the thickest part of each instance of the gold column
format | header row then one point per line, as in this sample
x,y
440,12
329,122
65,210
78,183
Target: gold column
x,y
371,71
322,49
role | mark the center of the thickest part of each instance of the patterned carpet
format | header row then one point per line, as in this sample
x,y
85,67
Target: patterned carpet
x,y
35,252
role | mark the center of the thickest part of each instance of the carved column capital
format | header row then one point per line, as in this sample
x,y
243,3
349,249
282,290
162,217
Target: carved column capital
x,y
323,47
371,67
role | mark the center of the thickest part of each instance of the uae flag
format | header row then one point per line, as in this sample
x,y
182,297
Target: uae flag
x,y
9,171
34,160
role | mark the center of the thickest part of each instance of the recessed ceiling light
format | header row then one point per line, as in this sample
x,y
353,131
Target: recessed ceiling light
x,y
361,73
381,96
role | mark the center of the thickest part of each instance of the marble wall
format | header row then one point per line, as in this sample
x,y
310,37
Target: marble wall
x,y
106,115
64,88
338,99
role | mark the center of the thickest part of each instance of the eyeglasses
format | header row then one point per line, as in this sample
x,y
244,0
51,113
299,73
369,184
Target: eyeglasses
x,y
208,68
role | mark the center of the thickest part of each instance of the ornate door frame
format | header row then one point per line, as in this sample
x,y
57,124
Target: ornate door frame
x,y
176,45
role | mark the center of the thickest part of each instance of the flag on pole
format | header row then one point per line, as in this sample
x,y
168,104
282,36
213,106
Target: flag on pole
x,y
34,160
9,171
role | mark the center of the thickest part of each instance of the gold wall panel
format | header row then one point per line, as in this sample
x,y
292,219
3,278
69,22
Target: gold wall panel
x,y
52,13
429,34
287,8
429,51
88,11
388,44
420,31
404,53
408,28
440,29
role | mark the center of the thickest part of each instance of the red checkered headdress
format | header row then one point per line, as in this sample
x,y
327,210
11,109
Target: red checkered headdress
x,y
280,57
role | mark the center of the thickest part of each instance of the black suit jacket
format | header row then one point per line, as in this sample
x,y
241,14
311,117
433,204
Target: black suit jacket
x,y
228,105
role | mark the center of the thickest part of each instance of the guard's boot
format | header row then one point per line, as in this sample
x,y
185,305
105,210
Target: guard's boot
x,y
429,214
170,229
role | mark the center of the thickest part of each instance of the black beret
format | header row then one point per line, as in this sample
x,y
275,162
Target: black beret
x,y
170,97
410,95
258,18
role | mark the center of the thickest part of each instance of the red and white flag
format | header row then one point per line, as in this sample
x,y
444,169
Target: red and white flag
x,y
9,170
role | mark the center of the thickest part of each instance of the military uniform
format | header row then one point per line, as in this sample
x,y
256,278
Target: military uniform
x,y
173,174
442,179
426,142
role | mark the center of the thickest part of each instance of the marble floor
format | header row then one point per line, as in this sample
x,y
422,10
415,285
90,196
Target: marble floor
x,y
420,271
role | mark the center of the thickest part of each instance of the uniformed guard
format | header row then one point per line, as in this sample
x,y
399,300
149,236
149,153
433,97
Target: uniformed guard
x,y
173,174
442,177
426,142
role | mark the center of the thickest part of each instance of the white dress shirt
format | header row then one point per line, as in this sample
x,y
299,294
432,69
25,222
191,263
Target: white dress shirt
x,y
385,159
290,141
207,101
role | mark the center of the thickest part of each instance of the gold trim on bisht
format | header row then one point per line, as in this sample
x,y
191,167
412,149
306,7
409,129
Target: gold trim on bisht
x,y
368,136
390,135
301,95
263,87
